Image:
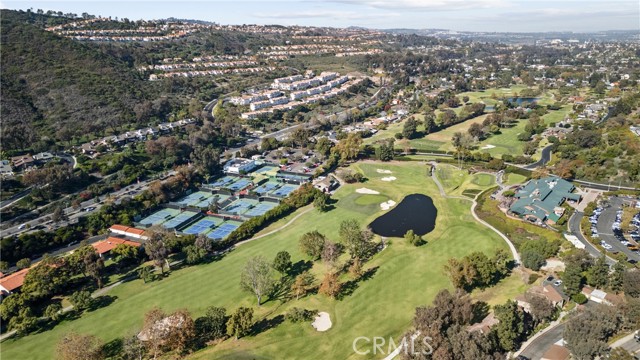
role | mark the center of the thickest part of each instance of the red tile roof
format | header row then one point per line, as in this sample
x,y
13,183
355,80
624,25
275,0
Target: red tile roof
x,y
14,281
110,243
127,229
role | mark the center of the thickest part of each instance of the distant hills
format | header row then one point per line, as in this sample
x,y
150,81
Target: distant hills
x,y
53,87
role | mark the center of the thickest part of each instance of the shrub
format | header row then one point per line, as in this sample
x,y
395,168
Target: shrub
x,y
579,298
296,315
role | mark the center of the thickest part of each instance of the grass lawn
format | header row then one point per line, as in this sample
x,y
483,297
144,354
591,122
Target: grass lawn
x,y
380,306
512,179
456,181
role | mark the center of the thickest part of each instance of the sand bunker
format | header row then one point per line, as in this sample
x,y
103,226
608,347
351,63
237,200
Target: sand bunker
x,y
387,205
487,147
322,322
381,171
367,191
388,178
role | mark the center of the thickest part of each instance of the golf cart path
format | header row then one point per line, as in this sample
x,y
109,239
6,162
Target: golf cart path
x,y
474,203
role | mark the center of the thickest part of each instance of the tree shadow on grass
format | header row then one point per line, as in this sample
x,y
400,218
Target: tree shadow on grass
x,y
101,301
113,348
266,324
349,287
300,267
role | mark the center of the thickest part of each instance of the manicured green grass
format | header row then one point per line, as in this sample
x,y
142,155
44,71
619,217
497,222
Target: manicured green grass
x,y
370,199
512,179
484,180
384,305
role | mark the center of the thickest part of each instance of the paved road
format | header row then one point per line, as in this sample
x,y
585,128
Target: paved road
x,y
574,228
544,158
536,349
14,198
605,222
86,208
628,343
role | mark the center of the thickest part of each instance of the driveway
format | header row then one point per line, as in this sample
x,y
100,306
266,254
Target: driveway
x,y
574,228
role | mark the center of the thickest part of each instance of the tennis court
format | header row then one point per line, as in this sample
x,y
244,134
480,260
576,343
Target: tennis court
x,y
223,230
284,191
267,187
240,206
260,208
223,182
266,169
218,197
195,198
298,178
239,185
159,217
203,225
179,219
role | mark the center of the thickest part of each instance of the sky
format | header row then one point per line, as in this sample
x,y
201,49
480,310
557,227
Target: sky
x,y
460,15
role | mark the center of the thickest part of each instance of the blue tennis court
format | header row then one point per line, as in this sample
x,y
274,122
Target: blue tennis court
x,y
267,187
179,219
240,206
223,182
239,185
260,208
203,225
159,217
223,230
284,191
195,198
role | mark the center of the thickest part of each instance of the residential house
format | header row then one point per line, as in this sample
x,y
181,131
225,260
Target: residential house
x,y
602,297
128,231
484,327
540,200
556,352
104,247
12,282
22,162
43,157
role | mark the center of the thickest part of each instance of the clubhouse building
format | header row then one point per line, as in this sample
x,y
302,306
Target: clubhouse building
x,y
539,201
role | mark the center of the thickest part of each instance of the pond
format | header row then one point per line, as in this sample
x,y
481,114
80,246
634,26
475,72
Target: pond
x,y
522,100
415,212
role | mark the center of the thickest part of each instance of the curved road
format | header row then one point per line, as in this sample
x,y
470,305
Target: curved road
x,y
544,158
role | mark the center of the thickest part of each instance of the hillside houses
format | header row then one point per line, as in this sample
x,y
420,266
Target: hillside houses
x,y
90,148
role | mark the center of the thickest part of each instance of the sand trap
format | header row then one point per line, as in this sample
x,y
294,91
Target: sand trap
x,y
367,191
381,171
388,178
488,147
387,204
322,322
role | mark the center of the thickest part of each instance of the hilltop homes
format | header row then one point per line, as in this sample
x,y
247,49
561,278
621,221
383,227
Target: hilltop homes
x,y
539,201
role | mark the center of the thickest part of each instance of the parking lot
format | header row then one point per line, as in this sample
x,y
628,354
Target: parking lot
x,y
606,222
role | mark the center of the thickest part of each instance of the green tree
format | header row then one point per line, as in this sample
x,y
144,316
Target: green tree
x,y
4,266
125,253
511,328
312,244
320,203
240,322
349,148
598,274
53,311
24,322
617,277
81,300
145,273
194,254
410,128
257,278
23,263
573,279
302,284
282,262
358,243
532,259
213,324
